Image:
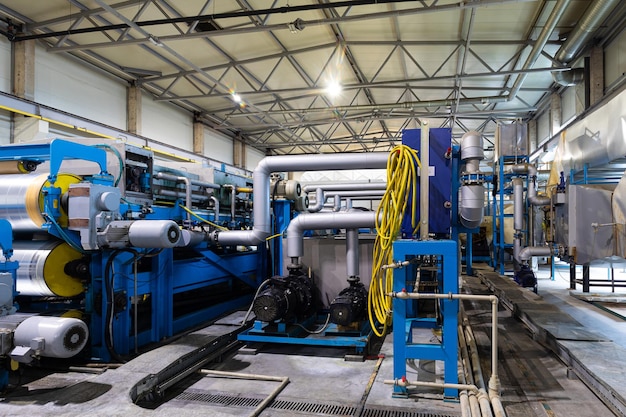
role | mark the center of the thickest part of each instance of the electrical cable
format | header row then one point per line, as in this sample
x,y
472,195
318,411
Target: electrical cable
x,y
258,290
402,182
119,159
201,219
318,331
62,234
109,282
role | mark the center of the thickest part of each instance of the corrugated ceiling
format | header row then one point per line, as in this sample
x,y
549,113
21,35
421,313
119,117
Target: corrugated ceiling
x,y
451,63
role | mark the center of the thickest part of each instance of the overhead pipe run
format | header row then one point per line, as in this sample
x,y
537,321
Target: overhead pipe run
x,y
321,198
287,163
316,221
578,38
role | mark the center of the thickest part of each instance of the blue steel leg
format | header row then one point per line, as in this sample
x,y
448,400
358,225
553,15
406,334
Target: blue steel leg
x,y
403,349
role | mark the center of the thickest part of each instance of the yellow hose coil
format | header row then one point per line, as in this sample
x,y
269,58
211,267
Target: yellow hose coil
x,y
402,168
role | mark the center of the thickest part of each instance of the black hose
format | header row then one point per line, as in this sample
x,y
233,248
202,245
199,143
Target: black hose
x,y
110,304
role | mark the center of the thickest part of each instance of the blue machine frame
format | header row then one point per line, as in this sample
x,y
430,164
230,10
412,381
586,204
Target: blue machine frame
x,y
144,295
404,320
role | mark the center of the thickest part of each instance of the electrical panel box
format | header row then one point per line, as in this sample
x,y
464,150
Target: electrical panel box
x,y
440,172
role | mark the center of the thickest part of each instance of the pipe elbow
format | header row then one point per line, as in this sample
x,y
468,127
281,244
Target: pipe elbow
x,y
569,78
539,200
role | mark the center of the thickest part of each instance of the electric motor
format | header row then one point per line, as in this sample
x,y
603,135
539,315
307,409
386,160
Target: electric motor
x,y
54,337
526,278
284,298
350,305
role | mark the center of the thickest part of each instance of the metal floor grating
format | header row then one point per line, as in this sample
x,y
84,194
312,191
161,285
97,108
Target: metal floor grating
x,y
307,408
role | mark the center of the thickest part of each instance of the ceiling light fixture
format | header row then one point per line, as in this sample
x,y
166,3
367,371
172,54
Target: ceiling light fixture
x,y
154,40
236,98
333,89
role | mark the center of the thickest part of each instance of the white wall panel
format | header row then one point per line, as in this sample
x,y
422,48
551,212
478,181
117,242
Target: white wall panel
x,y
218,147
66,85
253,157
543,127
568,105
5,127
166,123
5,65
615,60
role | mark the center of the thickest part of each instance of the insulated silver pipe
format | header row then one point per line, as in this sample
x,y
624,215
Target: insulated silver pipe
x,y
184,180
518,216
352,252
530,251
577,39
380,185
286,163
319,201
316,221
542,39
177,194
216,207
532,196
472,196
424,179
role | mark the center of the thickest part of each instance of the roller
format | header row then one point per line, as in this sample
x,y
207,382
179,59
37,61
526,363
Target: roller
x,y
21,199
42,269
17,167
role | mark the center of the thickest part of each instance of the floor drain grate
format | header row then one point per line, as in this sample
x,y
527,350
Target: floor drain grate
x,y
301,407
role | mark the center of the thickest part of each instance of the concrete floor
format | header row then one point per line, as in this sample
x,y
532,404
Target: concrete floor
x,y
535,382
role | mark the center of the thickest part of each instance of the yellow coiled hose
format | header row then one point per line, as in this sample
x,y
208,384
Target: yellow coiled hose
x,y
402,168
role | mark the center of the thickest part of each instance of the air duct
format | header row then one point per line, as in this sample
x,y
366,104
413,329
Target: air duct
x,y
261,200
595,15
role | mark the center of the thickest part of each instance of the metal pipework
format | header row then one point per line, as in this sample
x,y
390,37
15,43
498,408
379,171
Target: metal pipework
x,y
170,177
404,295
316,221
233,199
380,185
577,39
186,181
284,163
472,197
177,194
216,207
530,251
352,253
321,196
532,196
518,216
424,179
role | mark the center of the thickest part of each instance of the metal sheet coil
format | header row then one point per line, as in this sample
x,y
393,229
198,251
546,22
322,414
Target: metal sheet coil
x,y
41,269
21,199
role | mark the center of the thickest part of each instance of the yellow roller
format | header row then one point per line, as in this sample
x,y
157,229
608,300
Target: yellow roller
x,y
21,199
41,269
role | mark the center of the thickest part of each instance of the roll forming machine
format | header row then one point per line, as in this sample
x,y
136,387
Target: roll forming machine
x,y
108,231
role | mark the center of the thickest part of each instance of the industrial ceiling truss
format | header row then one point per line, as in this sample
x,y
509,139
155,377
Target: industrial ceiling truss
x,y
263,71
